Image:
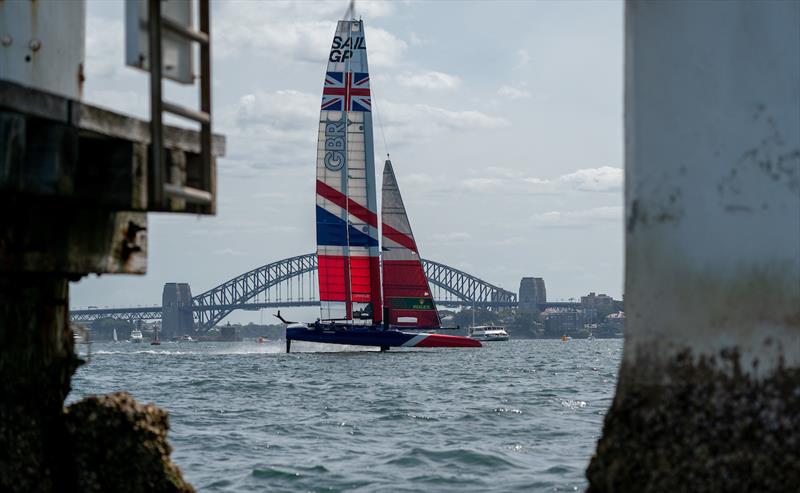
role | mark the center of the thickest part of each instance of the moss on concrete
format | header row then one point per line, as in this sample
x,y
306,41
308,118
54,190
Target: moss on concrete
x,y
708,427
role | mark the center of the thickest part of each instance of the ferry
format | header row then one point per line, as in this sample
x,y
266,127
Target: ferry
x,y
488,333
136,336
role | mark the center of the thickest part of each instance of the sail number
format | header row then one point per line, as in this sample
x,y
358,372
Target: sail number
x,y
343,48
335,131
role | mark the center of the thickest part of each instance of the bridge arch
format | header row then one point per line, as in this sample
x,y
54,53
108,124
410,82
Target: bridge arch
x,y
217,303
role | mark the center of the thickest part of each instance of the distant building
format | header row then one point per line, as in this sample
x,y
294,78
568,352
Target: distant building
x,y
561,321
531,293
601,304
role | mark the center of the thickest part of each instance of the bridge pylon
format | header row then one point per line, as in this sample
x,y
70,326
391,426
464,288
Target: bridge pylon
x,y
177,318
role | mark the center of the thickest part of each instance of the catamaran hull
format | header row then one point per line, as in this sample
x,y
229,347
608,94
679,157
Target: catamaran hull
x,y
377,337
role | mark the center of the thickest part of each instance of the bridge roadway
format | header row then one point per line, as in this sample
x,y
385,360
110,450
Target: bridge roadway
x,y
210,307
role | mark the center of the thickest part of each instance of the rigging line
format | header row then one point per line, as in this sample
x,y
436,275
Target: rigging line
x,y
374,98
350,13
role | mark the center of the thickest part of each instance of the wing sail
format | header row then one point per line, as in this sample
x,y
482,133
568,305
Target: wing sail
x,y
407,296
347,223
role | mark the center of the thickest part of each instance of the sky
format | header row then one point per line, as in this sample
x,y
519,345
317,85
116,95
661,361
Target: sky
x,y
503,120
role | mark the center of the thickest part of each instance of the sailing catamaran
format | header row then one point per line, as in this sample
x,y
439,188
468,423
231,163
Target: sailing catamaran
x,y
358,305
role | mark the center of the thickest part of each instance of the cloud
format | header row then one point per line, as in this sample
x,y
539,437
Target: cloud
x,y
428,80
385,49
494,178
104,48
578,218
452,237
298,31
483,184
268,129
602,179
283,109
522,58
409,122
513,92
227,252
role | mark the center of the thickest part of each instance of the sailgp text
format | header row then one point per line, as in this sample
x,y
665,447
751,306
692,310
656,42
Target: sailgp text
x,y
343,48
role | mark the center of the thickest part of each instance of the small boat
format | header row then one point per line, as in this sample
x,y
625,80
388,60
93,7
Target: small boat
x,y
156,341
261,340
186,338
565,338
369,290
488,333
136,336
114,335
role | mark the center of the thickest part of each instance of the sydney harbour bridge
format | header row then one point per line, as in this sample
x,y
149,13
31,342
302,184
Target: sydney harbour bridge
x,y
289,282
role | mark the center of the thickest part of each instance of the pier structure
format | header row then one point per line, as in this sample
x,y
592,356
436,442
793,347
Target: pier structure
x,y
76,182
708,397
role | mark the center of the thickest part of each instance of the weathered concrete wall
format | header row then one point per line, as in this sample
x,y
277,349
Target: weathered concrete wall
x,y
709,391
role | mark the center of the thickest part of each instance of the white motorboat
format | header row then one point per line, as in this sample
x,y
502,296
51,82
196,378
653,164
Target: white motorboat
x,y
488,333
136,336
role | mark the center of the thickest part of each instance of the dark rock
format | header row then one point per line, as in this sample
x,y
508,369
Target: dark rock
x,y
121,445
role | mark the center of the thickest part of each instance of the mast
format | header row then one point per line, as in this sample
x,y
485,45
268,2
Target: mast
x,y
347,222
407,295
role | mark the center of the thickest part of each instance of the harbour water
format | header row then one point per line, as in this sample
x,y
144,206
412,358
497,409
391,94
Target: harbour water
x,y
522,415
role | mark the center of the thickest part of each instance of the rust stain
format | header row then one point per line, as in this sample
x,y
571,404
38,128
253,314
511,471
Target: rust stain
x,y
134,238
81,79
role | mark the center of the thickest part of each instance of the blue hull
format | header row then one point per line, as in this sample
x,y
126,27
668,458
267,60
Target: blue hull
x,y
373,336
356,336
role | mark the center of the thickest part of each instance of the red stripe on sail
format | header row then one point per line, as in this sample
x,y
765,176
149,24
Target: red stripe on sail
x,y
377,304
332,280
361,279
406,279
399,238
335,277
353,207
366,215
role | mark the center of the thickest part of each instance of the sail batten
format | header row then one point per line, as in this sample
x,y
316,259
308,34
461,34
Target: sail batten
x,y
347,222
408,300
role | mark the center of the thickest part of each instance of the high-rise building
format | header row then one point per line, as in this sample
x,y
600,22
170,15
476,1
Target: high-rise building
x,y
531,293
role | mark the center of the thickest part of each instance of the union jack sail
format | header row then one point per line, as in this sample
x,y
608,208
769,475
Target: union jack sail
x,y
347,221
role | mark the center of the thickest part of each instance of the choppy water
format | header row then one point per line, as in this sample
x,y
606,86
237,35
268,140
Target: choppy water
x,y
511,416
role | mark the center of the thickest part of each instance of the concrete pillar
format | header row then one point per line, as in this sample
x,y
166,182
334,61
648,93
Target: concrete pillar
x,y
36,364
709,388
532,293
